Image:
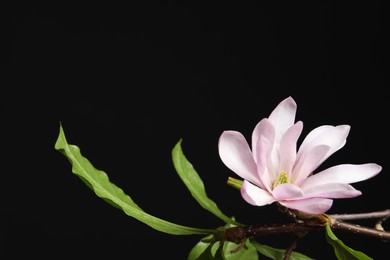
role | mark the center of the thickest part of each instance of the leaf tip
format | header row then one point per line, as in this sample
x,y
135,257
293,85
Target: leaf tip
x,y
60,139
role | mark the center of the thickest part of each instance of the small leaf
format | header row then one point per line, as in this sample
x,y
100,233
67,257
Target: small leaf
x,y
99,182
342,251
203,250
220,253
248,253
223,250
277,254
194,183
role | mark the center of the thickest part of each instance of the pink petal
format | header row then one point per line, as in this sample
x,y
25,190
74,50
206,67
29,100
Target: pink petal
x,y
308,141
287,191
283,117
308,163
343,173
265,129
237,156
332,191
288,148
332,136
254,195
265,172
312,205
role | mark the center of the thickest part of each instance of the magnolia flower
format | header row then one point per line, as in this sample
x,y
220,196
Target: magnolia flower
x,y
275,171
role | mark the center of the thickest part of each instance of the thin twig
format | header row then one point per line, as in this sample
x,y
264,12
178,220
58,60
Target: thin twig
x,y
291,248
357,229
371,215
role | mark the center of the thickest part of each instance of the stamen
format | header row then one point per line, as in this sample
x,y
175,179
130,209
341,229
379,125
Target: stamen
x,y
282,179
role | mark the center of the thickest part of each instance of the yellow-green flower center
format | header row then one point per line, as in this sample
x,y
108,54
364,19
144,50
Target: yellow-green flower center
x,y
281,179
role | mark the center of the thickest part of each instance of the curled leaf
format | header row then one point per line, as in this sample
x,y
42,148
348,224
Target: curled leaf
x,y
342,251
99,182
195,184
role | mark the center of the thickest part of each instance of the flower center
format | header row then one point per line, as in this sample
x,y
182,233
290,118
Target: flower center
x,y
281,179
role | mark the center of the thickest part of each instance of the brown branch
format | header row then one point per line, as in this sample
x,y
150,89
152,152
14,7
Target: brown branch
x,y
359,230
307,222
291,248
384,214
238,234
337,222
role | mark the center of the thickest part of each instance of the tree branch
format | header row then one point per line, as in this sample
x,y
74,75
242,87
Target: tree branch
x,y
239,234
359,230
291,248
306,223
384,214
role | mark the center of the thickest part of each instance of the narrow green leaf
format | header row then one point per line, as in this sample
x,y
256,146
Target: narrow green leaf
x,y
220,253
207,247
248,253
194,183
204,250
277,254
99,182
342,251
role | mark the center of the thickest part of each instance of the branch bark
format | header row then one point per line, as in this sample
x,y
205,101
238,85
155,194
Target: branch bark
x,y
307,223
360,230
384,214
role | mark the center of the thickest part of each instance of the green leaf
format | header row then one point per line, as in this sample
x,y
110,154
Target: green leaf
x,y
342,251
220,254
204,251
99,182
277,254
248,253
211,251
195,185
208,248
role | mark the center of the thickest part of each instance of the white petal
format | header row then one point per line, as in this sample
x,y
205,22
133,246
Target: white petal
x,y
265,169
283,117
312,206
343,173
254,195
332,191
288,148
312,136
287,191
332,136
237,156
265,129
308,163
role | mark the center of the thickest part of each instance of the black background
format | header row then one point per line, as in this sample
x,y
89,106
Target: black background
x,y
129,79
